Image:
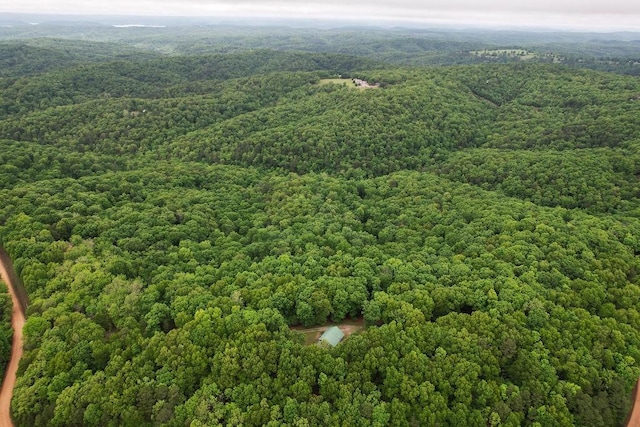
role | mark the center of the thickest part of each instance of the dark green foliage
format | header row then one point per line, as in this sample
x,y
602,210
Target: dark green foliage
x,y
73,42
155,78
6,333
333,129
41,55
132,125
598,180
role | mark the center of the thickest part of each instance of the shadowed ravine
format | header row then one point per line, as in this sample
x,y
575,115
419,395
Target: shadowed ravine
x,y
20,301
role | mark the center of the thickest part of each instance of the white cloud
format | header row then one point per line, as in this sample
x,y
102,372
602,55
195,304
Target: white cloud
x,y
613,14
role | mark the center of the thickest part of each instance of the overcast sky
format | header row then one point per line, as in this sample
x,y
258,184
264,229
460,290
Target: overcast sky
x,y
578,14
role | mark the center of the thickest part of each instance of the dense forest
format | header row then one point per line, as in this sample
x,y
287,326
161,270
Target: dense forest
x,y
56,42
175,218
6,333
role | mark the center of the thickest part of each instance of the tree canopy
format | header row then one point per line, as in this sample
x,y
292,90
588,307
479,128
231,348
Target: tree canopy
x,y
173,218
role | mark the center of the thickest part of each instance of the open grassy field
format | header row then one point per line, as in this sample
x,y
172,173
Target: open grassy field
x,y
348,326
345,82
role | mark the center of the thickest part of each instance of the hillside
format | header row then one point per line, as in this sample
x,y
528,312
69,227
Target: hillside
x,y
172,218
94,37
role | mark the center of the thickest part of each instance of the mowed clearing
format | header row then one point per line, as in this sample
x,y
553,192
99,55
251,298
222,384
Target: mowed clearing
x,y
348,326
348,83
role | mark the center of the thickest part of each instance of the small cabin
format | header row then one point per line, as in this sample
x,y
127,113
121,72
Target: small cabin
x,y
331,336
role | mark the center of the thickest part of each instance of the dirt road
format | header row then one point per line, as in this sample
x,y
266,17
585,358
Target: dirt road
x,y
17,321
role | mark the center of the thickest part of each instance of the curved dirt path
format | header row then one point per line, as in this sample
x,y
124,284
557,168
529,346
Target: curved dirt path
x,y
17,322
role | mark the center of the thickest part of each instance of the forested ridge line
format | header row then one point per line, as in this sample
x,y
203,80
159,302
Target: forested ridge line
x,y
55,46
40,55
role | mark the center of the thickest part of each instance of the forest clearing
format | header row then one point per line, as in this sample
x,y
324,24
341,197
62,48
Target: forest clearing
x,y
312,334
349,83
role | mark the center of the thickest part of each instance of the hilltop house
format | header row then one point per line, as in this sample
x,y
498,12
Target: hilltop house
x,y
364,83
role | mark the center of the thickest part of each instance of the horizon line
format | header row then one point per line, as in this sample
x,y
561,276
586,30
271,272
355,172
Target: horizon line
x,y
443,22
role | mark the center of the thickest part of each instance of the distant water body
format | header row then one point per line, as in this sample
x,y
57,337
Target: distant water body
x,y
139,26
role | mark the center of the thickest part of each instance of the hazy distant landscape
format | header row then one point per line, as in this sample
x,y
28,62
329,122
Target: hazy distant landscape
x,y
194,205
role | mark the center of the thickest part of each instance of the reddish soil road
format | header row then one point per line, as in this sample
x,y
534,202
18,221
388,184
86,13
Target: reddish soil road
x,y
17,321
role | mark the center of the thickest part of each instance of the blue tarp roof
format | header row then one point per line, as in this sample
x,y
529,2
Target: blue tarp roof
x,y
332,336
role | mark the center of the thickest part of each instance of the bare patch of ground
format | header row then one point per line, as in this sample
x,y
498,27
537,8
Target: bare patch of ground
x,y
342,82
350,83
348,327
